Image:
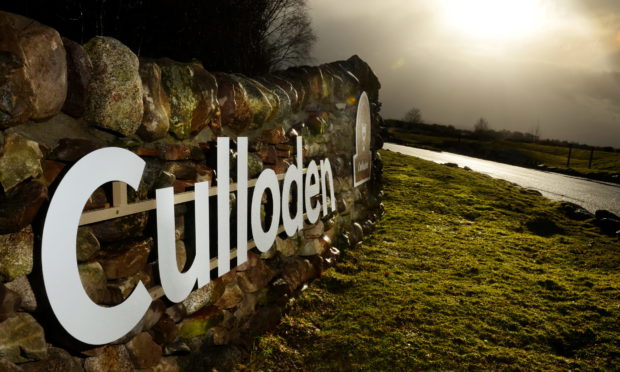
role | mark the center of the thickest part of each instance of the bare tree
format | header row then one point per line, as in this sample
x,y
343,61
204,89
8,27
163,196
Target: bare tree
x,y
481,126
288,35
248,36
413,116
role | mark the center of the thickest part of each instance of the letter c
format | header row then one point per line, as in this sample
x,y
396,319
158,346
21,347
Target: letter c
x,y
82,318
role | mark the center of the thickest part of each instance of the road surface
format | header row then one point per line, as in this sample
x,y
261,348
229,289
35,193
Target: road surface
x,y
591,195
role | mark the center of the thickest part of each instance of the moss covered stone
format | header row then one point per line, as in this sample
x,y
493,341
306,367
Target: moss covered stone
x,y
20,160
115,90
16,254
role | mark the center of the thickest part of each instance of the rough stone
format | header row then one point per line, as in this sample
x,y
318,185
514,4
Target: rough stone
x,y
260,106
154,314
204,296
200,322
127,259
143,351
286,247
167,364
357,233
287,86
79,72
175,151
181,254
22,339
282,98
205,174
112,358
73,149
115,90
608,226
58,360
120,289
155,121
94,281
314,231
20,160
255,165
16,254
575,212
51,171
176,312
98,199
255,277
49,132
193,98
7,366
311,247
274,136
20,206
182,170
165,330
33,77
602,213
9,302
120,228
87,244
234,103
221,335
231,297
22,287
247,307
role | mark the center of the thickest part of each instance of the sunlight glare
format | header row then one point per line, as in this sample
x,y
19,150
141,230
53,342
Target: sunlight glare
x,y
494,19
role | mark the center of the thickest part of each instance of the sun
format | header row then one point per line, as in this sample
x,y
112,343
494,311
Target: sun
x,y
493,19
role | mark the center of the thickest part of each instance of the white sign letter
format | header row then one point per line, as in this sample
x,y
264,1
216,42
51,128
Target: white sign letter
x,y
242,200
264,239
294,174
82,318
223,206
178,285
312,189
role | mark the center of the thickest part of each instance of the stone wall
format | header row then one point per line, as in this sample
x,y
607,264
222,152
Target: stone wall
x,y
60,100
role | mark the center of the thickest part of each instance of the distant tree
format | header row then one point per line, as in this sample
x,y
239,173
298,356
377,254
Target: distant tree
x,y
288,36
413,116
481,126
248,36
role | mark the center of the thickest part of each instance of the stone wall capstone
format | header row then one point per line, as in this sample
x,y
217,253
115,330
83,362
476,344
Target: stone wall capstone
x,y
60,100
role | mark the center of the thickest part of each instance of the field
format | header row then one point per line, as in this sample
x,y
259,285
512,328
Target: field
x,y
530,153
463,272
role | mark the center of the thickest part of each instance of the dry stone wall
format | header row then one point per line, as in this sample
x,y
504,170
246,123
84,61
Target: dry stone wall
x,y
60,100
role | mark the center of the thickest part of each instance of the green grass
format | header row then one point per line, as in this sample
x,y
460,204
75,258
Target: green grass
x,y
464,272
550,155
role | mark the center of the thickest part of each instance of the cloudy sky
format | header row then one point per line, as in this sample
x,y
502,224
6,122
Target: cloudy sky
x,y
518,63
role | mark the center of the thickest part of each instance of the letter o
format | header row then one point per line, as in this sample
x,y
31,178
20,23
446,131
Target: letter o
x,y
264,239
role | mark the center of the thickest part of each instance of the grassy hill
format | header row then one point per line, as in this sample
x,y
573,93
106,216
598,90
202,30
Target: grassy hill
x,y
463,272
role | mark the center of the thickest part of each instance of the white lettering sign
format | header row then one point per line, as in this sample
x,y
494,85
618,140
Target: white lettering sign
x,y
94,324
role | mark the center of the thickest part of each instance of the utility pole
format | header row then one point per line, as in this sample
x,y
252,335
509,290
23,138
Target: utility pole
x,y
570,151
591,157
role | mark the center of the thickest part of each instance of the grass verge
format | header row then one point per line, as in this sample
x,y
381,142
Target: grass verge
x,y
463,272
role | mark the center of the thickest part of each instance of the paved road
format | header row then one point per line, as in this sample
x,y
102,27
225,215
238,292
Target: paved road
x,y
591,195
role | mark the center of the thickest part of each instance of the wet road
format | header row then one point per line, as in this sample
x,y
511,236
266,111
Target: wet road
x,y
591,195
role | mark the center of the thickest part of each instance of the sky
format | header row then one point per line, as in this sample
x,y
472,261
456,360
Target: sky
x,y
521,64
